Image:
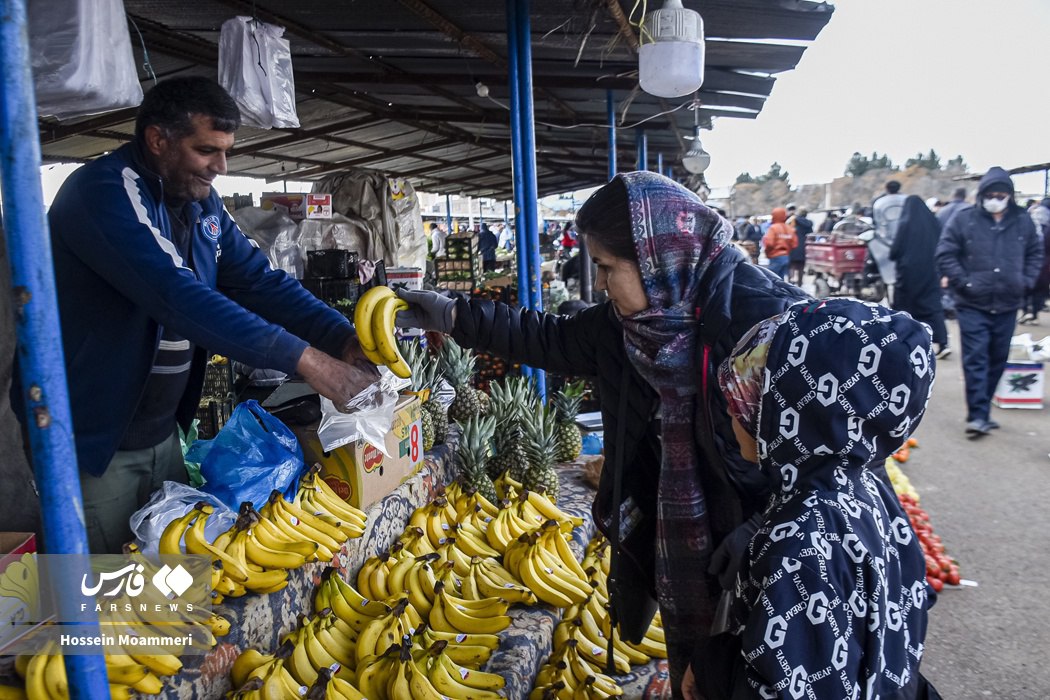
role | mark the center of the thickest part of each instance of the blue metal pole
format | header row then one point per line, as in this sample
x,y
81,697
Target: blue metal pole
x,y
521,244
521,28
610,109
42,368
643,149
448,215
660,162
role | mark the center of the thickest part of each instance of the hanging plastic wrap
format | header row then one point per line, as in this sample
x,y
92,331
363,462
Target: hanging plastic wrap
x,y
81,58
367,416
255,67
276,234
411,241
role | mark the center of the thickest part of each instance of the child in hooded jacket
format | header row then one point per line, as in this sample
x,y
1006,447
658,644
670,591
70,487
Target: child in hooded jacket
x,y
831,600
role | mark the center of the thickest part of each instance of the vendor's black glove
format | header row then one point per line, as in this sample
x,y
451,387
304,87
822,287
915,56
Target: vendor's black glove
x,y
728,559
427,310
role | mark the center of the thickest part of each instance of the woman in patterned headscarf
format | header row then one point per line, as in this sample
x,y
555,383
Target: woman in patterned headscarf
x,y
679,297
832,599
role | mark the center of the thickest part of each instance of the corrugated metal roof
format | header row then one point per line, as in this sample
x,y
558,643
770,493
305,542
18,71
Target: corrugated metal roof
x,y
390,85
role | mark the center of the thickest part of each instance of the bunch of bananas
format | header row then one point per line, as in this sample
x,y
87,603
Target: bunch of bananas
x,y
576,668
544,561
257,553
374,323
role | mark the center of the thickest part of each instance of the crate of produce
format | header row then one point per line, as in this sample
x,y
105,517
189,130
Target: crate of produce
x,y
331,263
218,378
461,247
212,414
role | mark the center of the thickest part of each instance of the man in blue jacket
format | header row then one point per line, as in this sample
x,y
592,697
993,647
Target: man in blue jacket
x,y
152,276
991,254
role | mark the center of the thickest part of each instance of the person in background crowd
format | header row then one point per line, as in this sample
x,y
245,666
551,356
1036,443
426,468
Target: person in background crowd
x,y
918,289
437,241
797,256
957,202
1035,300
152,277
991,253
829,222
934,204
505,237
830,600
885,215
487,243
680,296
568,237
778,243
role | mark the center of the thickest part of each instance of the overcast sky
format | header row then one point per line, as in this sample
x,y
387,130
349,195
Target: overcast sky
x,y
900,76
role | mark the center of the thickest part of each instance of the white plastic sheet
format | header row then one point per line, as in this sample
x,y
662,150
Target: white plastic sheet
x,y
81,58
255,67
173,500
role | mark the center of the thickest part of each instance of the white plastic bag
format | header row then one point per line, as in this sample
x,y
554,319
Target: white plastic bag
x,y
81,58
173,500
368,415
255,67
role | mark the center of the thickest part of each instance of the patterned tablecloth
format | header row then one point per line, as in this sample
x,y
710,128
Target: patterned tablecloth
x,y
258,621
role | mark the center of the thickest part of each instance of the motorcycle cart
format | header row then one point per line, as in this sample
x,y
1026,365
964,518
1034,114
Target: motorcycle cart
x,y
839,263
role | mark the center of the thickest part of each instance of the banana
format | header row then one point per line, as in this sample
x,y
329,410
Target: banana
x,y
326,496
559,569
415,541
449,617
580,670
171,538
125,673
10,692
592,635
197,544
489,586
160,664
380,634
551,537
417,588
634,656
419,685
289,531
498,532
478,680
310,502
271,558
246,662
258,581
548,509
473,543
456,640
481,607
36,685
308,521
55,676
451,685
300,666
350,606
375,672
149,685
383,334
363,312
344,690
543,584
336,645
121,692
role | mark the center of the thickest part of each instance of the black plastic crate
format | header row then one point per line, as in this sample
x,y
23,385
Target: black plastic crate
x,y
331,263
211,416
336,290
314,286
218,380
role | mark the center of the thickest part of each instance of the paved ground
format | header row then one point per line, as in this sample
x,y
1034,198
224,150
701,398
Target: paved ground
x,y
988,499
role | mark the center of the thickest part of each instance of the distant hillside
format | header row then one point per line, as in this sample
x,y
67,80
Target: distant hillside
x,y
748,199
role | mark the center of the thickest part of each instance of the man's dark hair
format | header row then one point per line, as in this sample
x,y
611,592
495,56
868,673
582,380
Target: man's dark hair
x,y
173,102
433,226
960,193
893,187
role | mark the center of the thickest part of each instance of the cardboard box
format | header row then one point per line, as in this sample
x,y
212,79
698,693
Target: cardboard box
x,y
19,593
318,206
291,203
360,473
407,277
1021,385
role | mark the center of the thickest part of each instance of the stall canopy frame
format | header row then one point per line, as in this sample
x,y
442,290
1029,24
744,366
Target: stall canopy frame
x,y
392,85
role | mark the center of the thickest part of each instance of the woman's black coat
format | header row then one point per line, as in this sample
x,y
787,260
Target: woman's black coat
x,y
736,296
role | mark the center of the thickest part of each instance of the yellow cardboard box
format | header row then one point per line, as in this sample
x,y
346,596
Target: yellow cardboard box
x,y
362,474
19,593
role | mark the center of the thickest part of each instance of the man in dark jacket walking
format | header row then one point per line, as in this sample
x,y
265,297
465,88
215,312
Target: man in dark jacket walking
x,y
991,254
957,202
797,256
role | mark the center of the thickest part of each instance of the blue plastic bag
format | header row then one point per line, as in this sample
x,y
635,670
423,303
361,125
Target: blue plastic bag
x,y
248,459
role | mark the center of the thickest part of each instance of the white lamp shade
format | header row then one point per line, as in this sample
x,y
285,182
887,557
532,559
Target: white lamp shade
x,y
671,68
696,159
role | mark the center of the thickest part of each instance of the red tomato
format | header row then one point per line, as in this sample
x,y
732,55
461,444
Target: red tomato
x,y
935,583
953,576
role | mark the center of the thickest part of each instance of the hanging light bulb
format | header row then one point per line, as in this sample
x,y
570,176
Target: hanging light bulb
x,y
696,159
671,57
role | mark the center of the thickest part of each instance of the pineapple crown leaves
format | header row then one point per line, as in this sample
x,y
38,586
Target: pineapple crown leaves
x,y
419,362
476,435
541,436
457,363
511,399
567,401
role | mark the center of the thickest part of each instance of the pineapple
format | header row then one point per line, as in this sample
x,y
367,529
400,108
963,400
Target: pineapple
x,y
458,366
422,376
509,402
540,441
566,407
473,453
